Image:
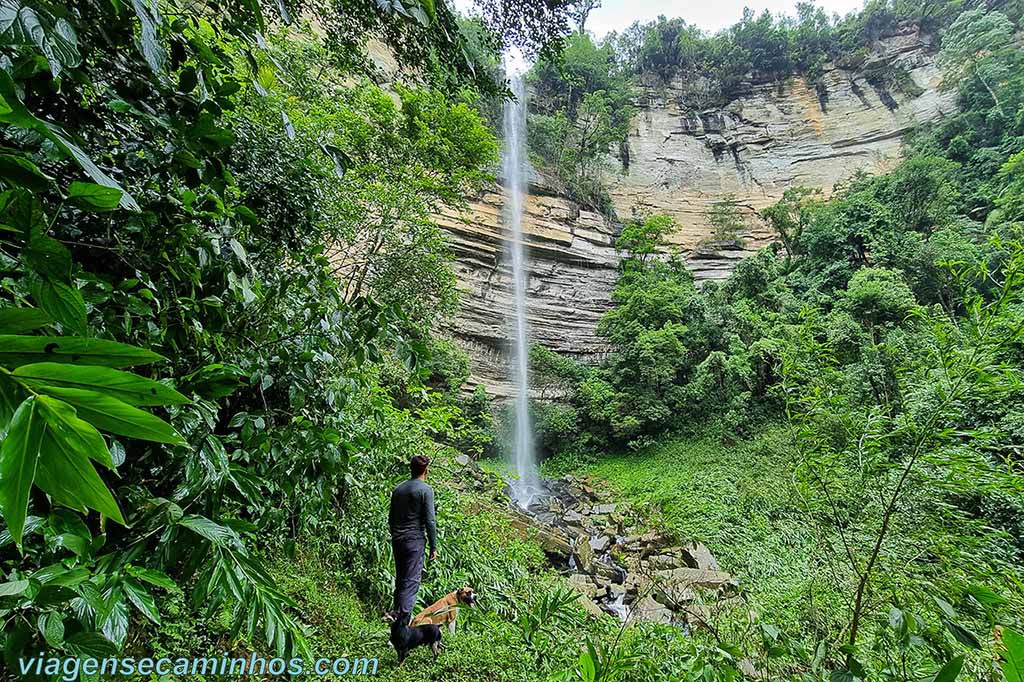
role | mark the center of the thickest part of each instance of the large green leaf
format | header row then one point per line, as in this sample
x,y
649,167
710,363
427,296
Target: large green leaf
x,y
94,197
51,626
222,536
18,170
55,39
124,386
74,433
1012,659
62,302
950,671
18,320
111,415
21,212
151,576
24,350
47,256
90,645
962,634
149,40
11,395
65,472
13,588
141,599
19,455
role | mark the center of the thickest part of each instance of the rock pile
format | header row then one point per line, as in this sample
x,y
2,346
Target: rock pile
x,y
616,567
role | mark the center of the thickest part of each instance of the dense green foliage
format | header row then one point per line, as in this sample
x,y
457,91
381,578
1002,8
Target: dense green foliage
x,y
220,296
885,329
581,104
228,205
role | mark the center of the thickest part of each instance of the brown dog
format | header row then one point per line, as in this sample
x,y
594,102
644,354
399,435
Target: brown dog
x,y
446,609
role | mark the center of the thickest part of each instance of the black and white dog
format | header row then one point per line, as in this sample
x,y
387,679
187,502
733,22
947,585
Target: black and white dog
x,y
405,638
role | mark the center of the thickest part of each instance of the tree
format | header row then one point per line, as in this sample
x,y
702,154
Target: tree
x,y
726,219
582,10
789,215
642,238
972,47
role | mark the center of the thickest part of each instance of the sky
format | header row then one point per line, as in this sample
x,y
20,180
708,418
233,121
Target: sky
x,y
710,15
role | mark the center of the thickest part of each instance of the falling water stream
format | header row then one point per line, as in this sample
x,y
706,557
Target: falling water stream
x,y
514,173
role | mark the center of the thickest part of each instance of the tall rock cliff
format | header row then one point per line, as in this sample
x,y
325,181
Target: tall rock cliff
x,y
679,162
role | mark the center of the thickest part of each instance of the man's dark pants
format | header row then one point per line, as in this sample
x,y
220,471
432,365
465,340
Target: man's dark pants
x,y
408,571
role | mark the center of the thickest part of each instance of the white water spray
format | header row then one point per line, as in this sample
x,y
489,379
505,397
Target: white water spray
x,y
514,172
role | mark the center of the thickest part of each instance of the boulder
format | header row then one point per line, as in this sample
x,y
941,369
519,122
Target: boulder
x,y
662,562
603,509
696,577
600,543
590,607
648,543
572,516
583,553
647,609
637,583
576,532
697,555
583,584
463,460
608,571
554,542
674,595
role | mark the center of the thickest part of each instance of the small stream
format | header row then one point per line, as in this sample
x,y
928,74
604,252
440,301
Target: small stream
x,y
617,569
601,546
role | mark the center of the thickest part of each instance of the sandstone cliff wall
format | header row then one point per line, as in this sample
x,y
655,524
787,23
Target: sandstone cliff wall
x,y
681,161
573,267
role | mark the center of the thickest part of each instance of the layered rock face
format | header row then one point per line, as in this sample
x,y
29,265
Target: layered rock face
x,y
773,137
680,162
573,267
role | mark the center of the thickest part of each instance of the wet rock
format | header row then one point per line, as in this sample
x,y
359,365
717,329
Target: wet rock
x,y
572,516
583,553
600,543
554,542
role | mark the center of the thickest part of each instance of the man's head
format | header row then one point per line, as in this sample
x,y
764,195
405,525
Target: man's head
x,y
418,466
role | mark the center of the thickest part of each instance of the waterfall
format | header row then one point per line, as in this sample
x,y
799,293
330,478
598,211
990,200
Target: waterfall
x,y
514,176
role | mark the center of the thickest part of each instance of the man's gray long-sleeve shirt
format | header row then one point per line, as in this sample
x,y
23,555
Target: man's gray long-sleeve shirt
x,y
412,512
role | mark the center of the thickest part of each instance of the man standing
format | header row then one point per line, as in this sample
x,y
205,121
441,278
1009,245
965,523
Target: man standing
x,y
410,516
